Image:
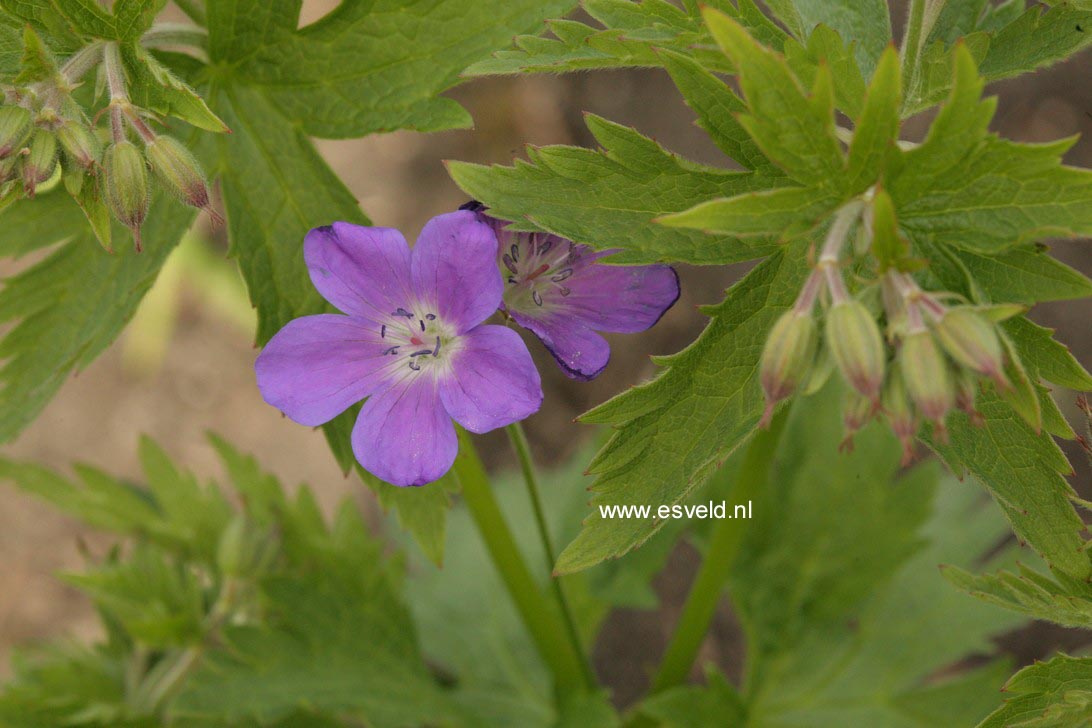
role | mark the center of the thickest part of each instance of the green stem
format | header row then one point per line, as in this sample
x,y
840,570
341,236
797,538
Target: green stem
x,y
527,464
705,593
194,10
543,623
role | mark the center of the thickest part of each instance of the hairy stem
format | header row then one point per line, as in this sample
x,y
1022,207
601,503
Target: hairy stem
x,y
81,62
527,465
544,624
176,34
704,595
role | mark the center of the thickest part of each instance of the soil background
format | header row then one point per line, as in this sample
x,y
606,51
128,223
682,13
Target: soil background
x,y
205,381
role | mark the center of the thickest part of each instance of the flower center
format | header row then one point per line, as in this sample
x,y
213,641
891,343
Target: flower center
x,y
416,337
538,266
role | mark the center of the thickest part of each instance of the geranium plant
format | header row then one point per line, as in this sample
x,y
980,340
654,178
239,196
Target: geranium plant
x,y
860,388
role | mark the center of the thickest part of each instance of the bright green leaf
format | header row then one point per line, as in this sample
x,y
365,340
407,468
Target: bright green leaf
x,y
1052,694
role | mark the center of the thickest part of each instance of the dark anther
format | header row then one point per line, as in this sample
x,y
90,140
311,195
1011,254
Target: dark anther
x,y
473,206
537,298
383,332
562,275
565,291
515,251
402,312
430,316
544,245
422,352
422,322
391,351
414,365
512,280
509,263
436,351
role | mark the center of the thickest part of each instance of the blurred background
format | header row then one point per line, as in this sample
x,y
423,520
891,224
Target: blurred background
x,y
185,366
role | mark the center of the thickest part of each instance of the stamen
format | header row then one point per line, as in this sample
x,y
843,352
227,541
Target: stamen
x,y
430,316
544,245
436,351
422,322
562,275
512,280
515,252
536,298
402,312
414,365
422,352
565,291
383,332
391,351
509,263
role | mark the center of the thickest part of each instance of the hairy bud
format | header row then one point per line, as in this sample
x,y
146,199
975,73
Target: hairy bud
x,y
9,169
900,412
786,358
79,143
857,410
971,340
856,344
178,170
127,185
927,379
40,161
14,129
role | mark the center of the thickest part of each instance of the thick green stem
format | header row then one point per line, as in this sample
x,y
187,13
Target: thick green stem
x,y
527,465
704,595
544,624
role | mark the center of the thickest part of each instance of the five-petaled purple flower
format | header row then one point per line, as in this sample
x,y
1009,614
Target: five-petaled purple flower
x,y
559,291
411,343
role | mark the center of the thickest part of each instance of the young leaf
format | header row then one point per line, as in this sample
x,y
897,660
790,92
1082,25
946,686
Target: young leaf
x,y
709,388
877,130
1057,692
608,199
865,21
784,212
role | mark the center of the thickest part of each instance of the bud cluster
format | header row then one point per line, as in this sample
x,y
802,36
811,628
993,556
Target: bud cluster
x,y
904,354
45,135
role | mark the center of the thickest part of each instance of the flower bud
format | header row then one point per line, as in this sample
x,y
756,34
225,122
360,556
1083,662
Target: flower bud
x,y
9,169
899,412
79,143
786,358
971,340
927,379
856,344
178,170
126,185
857,410
14,129
966,387
41,160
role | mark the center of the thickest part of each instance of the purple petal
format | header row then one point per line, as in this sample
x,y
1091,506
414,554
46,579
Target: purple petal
x,y
316,367
404,435
618,298
493,381
454,261
363,271
581,352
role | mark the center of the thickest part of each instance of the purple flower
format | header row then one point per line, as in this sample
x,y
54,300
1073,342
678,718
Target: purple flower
x,y
411,343
559,291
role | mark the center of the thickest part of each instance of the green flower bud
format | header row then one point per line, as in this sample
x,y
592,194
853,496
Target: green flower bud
x,y
9,169
786,358
80,144
900,412
927,378
966,387
126,185
14,129
178,170
857,410
41,161
856,344
972,341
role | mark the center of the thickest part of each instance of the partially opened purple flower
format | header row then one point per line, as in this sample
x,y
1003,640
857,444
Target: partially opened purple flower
x,y
412,343
559,291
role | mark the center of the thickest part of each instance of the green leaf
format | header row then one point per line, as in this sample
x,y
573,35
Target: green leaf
x,y
716,106
154,86
877,132
1029,593
793,129
37,63
133,17
784,212
1025,274
717,703
609,198
1047,358
825,48
710,388
1040,37
864,21
71,305
67,19
326,80
1051,694
1023,471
